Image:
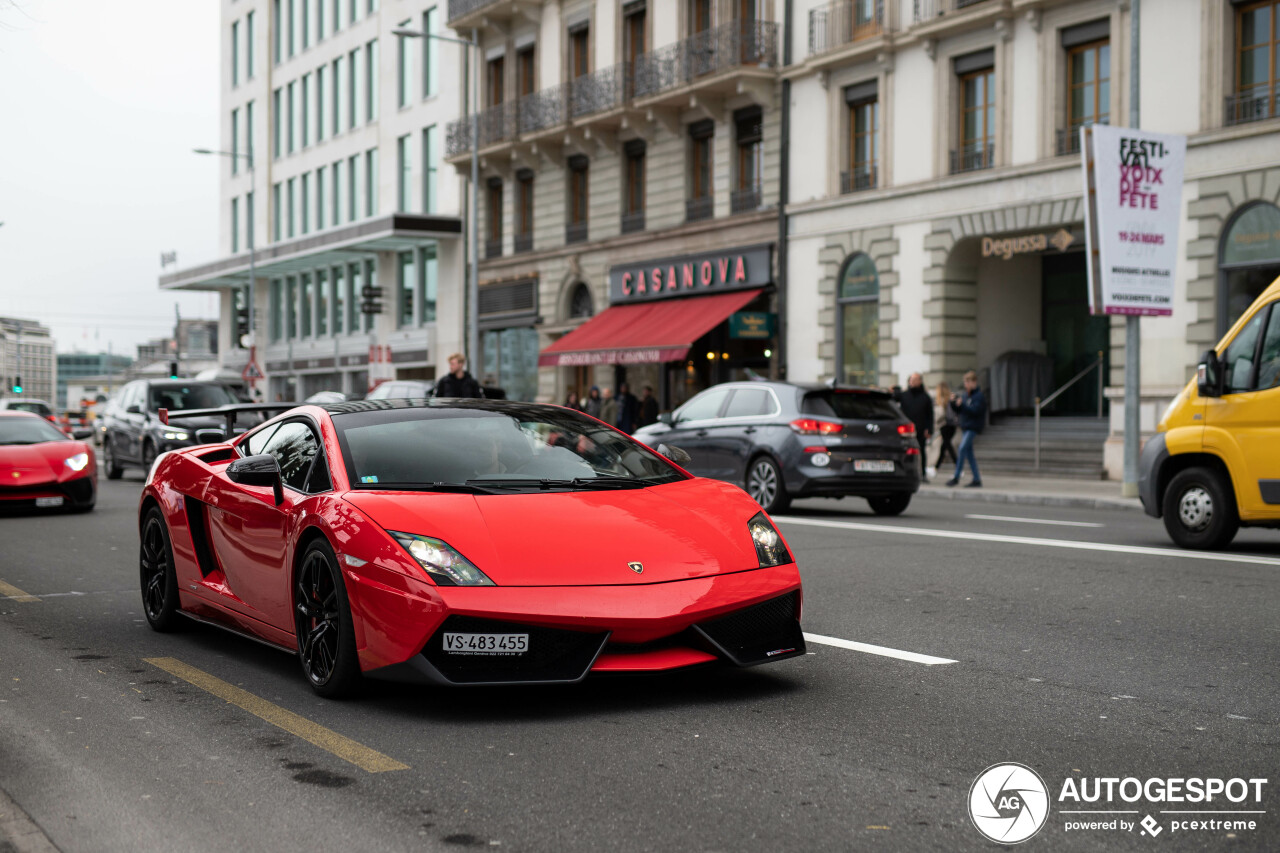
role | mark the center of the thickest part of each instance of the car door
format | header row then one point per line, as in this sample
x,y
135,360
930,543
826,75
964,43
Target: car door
x,y
1244,423
130,423
249,533
692,425
733,438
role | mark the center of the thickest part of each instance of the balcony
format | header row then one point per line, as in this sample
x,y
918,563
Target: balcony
x,y
1256,104
522,243
1069,139
468,14
746,200
973,157
927,10
493,248
633,222
702,60
575,232
601,91
497,124
844,22
697,209
862,177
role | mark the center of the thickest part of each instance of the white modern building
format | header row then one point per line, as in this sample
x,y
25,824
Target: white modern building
x,y
28,355
345,124
936,218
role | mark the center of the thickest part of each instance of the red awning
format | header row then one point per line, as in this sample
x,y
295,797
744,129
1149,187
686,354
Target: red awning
x,y
644,332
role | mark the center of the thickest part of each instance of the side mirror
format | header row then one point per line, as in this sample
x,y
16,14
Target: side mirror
x,y
134,410
262,470
675,454
666,418
1209,375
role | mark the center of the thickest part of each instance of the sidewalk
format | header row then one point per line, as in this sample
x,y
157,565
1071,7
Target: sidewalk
x,y
1038,491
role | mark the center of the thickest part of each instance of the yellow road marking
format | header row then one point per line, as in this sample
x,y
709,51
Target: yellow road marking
x,y
15,594
330,741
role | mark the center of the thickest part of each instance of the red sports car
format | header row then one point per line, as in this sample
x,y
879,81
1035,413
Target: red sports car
x,y
41,467
463,542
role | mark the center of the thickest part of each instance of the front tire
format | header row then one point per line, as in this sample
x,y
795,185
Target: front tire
x,y
109,461
322,622
764,483
1200,510
157,576
889,504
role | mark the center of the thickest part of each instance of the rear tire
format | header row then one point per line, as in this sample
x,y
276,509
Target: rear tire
x,y
889,504
109,462
322,622
764,483
1200,510
156,573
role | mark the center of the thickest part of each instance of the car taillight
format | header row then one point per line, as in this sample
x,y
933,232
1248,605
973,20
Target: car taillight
x,y
822,449
906,429
813,426
913,451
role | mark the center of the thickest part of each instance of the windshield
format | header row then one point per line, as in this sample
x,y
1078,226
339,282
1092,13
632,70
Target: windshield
x,y
34,408
175,398
518,448
28,431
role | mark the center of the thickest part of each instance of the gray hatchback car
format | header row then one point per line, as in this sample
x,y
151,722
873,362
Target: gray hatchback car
x,y
782,440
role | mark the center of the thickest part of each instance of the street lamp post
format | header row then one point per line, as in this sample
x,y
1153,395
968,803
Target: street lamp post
x,y
473,274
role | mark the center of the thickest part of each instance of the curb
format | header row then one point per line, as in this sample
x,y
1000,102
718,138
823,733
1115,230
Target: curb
x,y
19,832
1030,499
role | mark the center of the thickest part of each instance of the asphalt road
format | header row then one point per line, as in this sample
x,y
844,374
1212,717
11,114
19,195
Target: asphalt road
x,y
1085,649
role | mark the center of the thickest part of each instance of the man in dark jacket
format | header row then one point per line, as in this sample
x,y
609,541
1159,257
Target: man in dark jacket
x,y
971,408
648,407
917,405
628,409
458,382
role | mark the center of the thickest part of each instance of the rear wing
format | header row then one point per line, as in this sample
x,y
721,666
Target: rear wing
x,y
228,412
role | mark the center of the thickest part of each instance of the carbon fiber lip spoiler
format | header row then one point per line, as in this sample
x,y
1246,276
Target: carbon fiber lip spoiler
x,y
228,412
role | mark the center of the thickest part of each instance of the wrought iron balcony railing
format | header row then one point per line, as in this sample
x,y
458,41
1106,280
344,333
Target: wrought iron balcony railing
x,y
544,109
731,45
970,158
575,232
497,123
696,209
1256,104
493,248
633,222
860,178
927,10
842,22
602,90
746,200
1069,138
522,243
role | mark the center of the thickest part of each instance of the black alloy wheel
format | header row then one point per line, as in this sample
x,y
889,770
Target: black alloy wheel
x,y
155,569
322,620
1200,510
764,483
109,461
890,504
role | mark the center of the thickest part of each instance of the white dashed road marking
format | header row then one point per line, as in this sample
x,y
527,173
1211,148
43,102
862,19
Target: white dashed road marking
x,y
883,651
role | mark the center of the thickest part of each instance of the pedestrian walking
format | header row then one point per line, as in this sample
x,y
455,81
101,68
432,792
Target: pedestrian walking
x,y
917,405
628,409
971,411
593,403
945,419
648,407
458,382
608,407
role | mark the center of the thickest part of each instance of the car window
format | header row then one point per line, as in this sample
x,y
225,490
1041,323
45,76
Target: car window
x,y
1269,362
254,444
705,405
318,479
178,397
1239,356
749,402
294,446
849,405
33,407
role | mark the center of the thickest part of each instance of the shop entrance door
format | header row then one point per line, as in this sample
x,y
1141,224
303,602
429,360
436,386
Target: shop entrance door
x,y
1073,337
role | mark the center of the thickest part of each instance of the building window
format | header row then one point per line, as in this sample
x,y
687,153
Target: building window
x,y
248,130
235,225
580,303
354,8
250,46
235,54
235,142
510,360
335,195
1088,81
353,299
494,75
339,290
633,188
426,295
701,201
403,67
404,290
277,212
293,116
291,308
277,28
305,206
579,50
699,16
277,120
336,107
430,68
320,20
293,25
322,303
248,219
371,182
321,100
353,88
291,190
353,200
525,72
403,167
321,177
370,278
575,230
493,211
304,25
977,81
429,156
863,104
634,41
749,129
305,311
1257,63
524,211
371,81
277,319
304,111
858,322
1248,260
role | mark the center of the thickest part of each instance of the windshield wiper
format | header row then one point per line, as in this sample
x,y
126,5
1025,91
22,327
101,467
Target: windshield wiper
x,y
461,488
609,482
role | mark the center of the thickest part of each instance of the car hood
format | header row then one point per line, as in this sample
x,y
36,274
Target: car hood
x,y
689,529
25,464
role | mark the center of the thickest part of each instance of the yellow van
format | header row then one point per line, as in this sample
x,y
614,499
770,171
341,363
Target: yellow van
x,y
1214,463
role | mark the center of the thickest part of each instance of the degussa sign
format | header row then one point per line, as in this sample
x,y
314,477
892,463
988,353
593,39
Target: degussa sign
x,y
1133,183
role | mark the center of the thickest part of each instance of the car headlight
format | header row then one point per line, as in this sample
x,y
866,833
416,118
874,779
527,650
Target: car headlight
x,y
769,546
77,462
442,562
176,434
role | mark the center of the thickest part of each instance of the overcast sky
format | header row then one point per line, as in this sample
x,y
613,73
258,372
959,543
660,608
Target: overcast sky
x,y
100,105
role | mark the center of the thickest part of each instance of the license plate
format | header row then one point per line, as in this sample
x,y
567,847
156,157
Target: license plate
x,y
48,501
873,466
486,644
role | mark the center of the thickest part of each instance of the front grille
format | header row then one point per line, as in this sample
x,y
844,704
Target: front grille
x,y
763,632
554,654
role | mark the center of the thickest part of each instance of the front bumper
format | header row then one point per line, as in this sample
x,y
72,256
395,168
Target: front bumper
x,y
809,480
744,619
76,492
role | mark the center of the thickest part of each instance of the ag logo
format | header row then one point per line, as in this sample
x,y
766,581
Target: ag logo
x,y
636,567
1008,803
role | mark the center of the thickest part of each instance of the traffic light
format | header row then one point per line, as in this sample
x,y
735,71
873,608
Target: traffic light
x,y
17,384
173,370
242,322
